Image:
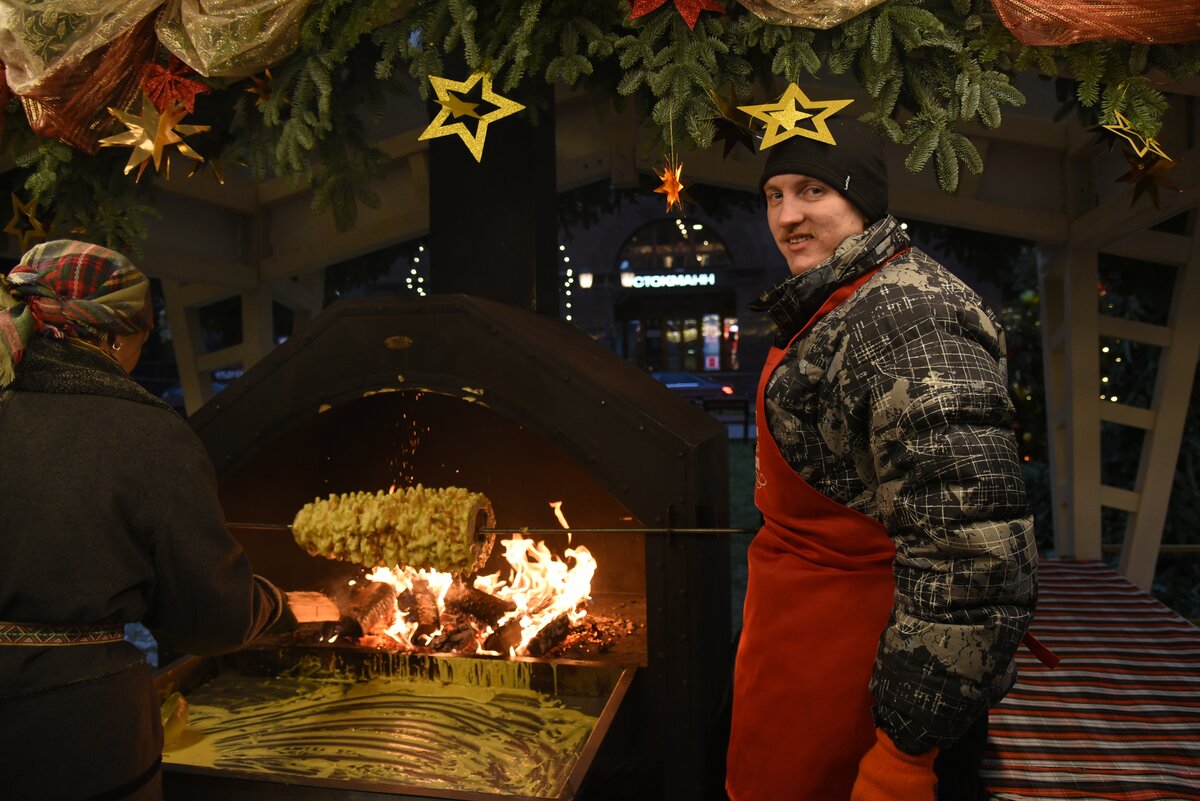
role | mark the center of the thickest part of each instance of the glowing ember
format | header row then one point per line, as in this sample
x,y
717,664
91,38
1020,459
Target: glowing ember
x,y
539,588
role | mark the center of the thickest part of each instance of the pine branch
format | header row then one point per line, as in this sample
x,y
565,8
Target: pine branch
x,y
933,64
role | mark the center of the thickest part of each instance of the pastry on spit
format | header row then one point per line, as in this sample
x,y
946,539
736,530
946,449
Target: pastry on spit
x,y
419,527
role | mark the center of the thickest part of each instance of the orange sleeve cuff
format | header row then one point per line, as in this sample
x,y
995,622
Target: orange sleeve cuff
x,y
888,774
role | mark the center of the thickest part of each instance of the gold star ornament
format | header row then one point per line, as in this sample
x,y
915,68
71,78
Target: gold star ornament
x,y
794,114
151,134
25,225
1147,173
734,126
672,184
1140,144
450,96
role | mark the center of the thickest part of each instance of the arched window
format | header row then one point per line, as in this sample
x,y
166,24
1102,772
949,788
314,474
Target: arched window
x,y
677,310
673,246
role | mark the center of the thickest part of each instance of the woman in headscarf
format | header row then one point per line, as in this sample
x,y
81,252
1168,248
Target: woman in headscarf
x,y
108,515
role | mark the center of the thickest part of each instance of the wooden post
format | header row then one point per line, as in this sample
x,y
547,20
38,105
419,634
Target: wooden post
x,y
493,224
1160,450
1082,421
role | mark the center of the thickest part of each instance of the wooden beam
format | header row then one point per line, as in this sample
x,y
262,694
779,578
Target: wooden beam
x,y
258,324
220,359
295,293
1155,247
1135,331
1117,498
978,215
188,343
237,193
201,295
1160,450
180,264
1051,266
1083,428
1126,415
334,247
1113,219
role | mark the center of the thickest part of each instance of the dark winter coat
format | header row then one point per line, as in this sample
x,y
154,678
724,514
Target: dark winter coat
x,y
109,515
896,405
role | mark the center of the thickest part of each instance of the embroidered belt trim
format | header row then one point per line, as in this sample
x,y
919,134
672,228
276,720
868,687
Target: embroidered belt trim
x,y
45,634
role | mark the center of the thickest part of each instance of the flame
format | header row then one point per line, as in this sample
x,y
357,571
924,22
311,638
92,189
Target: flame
x,y
403,630
562,519
540,585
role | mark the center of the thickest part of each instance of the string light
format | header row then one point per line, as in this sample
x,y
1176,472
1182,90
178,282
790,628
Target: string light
x,y
568,283
414,280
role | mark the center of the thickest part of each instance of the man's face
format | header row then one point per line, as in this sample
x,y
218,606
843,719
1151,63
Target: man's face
x,y
808,219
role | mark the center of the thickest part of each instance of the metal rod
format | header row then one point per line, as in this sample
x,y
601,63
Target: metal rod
x,y
573,530
516,530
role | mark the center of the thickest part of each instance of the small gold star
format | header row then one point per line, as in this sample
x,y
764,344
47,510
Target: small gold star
x,y
793,107
474,141
1140,144
25,225
261,87
459,107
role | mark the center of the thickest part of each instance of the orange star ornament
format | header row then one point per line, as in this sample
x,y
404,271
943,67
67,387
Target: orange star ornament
x,y
672,183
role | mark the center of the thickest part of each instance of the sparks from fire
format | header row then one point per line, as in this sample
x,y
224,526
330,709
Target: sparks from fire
x,y
540,586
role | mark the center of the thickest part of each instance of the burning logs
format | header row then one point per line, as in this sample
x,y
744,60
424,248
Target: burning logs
x,y
371,606
374,614
415,526
529,609
419,605
466,620
550,636
477,603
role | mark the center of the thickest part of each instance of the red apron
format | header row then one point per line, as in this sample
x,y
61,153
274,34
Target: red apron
x,y
818,599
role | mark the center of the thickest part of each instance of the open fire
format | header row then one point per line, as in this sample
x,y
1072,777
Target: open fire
x,y
525,609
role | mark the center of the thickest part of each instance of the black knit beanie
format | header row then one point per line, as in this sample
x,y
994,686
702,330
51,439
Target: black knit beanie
x,y
854,166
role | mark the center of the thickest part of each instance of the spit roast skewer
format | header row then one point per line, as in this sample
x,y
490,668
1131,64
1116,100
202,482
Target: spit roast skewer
x,y
520,530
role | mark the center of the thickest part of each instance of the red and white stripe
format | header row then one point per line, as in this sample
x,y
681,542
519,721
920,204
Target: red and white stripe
x,y
1119,718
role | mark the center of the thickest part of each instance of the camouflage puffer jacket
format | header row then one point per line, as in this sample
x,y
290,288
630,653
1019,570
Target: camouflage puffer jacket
x,y
895,404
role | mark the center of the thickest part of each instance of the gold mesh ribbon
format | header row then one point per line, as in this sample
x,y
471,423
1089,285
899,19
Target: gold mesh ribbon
x,y
42,38
1064,22
808,13
231,38
71,104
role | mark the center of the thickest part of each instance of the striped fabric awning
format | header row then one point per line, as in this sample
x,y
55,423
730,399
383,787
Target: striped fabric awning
x,y
1119,718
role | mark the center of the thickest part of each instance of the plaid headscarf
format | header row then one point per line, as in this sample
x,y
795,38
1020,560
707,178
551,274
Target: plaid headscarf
x,y
65,288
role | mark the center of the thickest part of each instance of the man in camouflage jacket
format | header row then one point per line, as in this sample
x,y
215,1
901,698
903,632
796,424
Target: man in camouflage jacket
x,y
895,405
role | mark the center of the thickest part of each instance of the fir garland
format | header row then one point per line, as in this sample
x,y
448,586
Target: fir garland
x,y
928,66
